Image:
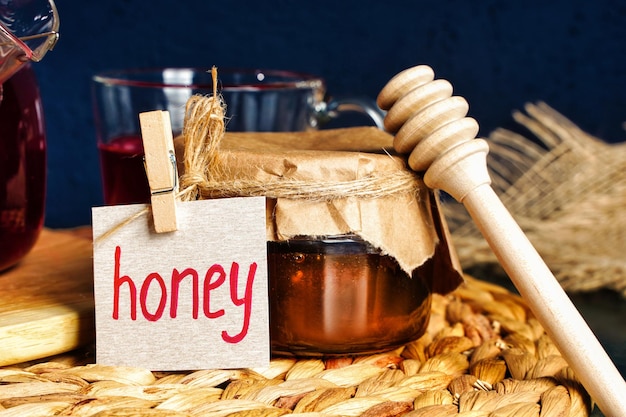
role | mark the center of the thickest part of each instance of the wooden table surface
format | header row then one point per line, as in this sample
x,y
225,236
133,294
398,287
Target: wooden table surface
x,y
46,301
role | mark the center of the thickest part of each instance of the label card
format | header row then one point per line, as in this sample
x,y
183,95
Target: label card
x,y
195,298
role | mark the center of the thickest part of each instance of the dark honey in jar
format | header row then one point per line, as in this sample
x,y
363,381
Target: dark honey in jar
x,y
340,295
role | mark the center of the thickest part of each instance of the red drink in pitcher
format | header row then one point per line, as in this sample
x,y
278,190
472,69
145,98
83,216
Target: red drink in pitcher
x,y
123,172
22,166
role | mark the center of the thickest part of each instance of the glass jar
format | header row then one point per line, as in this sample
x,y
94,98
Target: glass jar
x,y
339,295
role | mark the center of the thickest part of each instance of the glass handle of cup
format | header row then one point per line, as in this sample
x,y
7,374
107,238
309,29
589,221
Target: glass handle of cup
x,y
334,107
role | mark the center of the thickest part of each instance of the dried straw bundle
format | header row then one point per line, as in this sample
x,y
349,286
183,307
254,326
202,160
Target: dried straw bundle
x,y
482,355
567,190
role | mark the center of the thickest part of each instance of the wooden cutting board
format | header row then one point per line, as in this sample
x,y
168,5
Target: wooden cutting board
x,y
46,301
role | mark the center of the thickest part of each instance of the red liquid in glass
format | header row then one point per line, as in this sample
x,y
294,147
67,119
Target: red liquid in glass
x,y
123,172
22,167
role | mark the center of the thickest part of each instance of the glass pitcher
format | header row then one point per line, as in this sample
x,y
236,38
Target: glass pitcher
x,y
28,29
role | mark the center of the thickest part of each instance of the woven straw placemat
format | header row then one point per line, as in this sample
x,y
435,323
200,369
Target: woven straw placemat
x,y
482,355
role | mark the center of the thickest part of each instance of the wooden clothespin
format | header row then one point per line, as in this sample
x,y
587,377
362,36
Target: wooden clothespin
x,y
160,162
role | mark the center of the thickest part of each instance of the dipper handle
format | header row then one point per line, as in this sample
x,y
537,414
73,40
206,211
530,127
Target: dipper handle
x,y
432,126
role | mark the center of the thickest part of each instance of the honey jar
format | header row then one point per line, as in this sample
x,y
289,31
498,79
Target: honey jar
x,y
356,244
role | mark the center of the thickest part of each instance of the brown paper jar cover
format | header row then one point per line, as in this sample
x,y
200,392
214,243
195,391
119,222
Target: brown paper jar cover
x,y
406,225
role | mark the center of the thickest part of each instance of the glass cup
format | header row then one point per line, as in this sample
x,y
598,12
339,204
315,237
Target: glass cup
x,y
256,100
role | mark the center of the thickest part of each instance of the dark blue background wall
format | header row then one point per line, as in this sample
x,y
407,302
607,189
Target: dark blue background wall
x,y
497,54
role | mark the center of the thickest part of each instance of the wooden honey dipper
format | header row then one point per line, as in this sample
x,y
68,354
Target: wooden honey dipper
x,y
430,124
